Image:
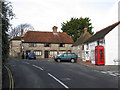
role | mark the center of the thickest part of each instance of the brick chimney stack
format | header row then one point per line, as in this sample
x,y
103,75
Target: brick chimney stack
x,y
21,31
54,29
85,30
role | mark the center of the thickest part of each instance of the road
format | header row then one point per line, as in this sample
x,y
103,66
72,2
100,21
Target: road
x,y
44,73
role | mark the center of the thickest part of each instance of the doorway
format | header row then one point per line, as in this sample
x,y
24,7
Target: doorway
x,y
28,51
46,54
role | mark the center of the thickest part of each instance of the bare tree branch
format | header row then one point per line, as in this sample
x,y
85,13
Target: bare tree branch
x,y
17,30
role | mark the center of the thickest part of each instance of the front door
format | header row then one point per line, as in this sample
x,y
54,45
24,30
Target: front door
x,y
46,54
28,51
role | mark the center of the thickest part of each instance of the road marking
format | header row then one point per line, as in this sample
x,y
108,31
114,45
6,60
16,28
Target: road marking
x,y
117,74
38,67
11,78
103,72
112,74
58,80
109,72
26,62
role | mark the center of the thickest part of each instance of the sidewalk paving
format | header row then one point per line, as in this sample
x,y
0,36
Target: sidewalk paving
x,y
100,68
0,77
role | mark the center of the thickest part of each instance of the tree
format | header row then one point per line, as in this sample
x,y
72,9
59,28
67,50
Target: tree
x,y
75,27
17,30
6,15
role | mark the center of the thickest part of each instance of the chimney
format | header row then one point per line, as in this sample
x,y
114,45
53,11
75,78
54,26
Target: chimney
x,y
85,30
54,29
21,31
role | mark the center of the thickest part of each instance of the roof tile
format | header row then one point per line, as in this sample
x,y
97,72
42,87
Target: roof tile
x,y
47,37
100,34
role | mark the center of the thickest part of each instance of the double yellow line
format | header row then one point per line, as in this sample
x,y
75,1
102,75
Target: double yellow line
x,y
11,87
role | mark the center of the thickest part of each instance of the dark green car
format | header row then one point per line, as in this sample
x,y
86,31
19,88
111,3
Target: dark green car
x,y
66,57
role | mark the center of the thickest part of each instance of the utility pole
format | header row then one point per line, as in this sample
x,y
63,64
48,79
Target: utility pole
x,y
119,32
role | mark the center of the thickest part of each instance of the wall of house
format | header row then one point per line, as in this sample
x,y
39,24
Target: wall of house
x,y
77,50
111,47
86,53
90,48
15,48
53,47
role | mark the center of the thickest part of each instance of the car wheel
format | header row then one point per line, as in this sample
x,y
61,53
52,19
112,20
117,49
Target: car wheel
x,y
58,60
72,60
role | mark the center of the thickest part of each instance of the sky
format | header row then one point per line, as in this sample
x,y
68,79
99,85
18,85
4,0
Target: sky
x,y
44,14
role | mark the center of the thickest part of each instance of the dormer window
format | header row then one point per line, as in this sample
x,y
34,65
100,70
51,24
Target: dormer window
x,y
47,45
61,45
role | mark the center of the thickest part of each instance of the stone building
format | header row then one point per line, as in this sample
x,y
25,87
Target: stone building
x,y
15,46
78,46
44,44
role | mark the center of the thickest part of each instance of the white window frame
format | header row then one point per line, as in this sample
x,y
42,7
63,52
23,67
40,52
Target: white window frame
x,y
78,46
32,44
52,53
38,52
61,52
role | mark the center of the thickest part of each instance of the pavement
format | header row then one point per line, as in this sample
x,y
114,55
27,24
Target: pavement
x,y
0,77
45,73
105,69
102,67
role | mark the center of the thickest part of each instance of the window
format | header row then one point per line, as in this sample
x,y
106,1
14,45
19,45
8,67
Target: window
x,y
32,44
78,54
101,54
101,42
87,46
82,47
65,55
61,52
53,53
38,53
47,45
61,45
70,55
69,51
78,46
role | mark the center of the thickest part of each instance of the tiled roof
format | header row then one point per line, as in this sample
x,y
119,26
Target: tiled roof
x,y
101,34
47,37
17,38
82,39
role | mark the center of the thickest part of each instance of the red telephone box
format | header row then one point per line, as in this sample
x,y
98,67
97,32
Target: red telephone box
x,y
99,55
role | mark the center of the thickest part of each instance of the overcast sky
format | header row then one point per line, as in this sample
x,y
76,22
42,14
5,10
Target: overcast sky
x,y
44,14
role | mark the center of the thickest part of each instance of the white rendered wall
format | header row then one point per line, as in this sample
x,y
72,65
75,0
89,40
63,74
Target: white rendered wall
x,y
83,52
92,51
119,32
111,47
